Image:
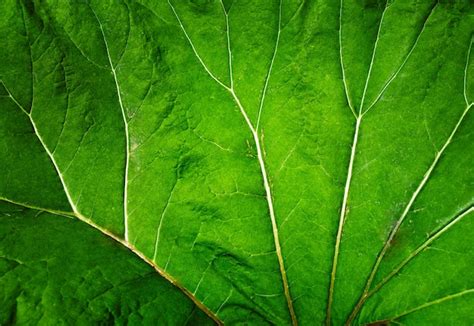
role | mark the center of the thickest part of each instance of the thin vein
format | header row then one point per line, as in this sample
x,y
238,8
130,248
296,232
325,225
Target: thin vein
x,y
270,68
405,60
32,90
194,48
162,216
409,205
225,301
81,217
344,80
132,248
84,219
125,122
268,193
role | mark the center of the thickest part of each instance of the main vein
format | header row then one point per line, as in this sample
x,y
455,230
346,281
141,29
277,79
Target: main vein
x,y
414,196
344,207
125,122
256,138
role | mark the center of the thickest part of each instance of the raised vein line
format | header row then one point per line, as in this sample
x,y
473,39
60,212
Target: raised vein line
x,y
47,210
426,305
260,157
343,212
270,68
125,122
344,80
268,192
129,246
421,185
422,247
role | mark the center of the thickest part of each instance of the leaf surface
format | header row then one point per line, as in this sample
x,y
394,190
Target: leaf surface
x,y
278,161
57,270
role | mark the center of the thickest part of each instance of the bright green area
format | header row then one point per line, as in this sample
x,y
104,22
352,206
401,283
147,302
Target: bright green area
x,y
133,115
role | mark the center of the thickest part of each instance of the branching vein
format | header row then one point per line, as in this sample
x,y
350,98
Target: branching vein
x,y
344,207
412,199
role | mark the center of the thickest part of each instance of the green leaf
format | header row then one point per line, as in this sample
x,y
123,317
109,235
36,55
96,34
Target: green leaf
x,y
278,162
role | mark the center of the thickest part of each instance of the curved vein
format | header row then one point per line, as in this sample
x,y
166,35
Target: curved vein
x,y
162,216
125,122
229,50
342,217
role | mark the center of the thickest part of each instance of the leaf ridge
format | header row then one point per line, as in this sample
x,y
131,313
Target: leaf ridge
x,y
194,48
48,152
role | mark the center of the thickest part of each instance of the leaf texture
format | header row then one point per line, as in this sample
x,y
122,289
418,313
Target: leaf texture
x,y
278,162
